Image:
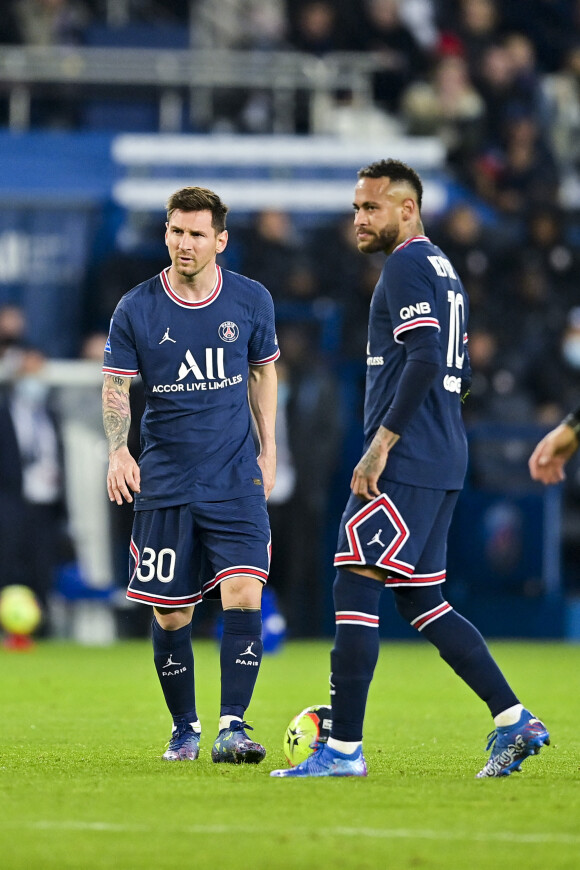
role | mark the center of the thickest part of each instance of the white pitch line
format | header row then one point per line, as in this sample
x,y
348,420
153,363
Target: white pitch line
x,y
370,833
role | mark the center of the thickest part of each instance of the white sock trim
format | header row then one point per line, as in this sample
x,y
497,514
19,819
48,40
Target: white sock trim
x,y
509,716
344,745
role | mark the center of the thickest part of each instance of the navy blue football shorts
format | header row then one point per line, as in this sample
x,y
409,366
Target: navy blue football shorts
x,y
404,530
179,555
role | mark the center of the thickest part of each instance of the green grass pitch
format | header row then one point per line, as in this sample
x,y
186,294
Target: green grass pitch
x,y
82,784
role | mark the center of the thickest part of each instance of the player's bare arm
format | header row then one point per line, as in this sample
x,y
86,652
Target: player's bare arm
x,y
123,476
262,395
366,474
551,454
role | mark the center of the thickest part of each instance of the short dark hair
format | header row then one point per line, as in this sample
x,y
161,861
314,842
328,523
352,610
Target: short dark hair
x,y
396,170
199,199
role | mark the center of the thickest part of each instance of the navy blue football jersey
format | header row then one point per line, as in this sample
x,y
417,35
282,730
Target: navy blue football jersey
x,y
194,358
418,288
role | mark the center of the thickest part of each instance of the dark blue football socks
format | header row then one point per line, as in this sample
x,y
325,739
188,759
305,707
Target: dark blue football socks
x,y
355,652
459,643
173,657
240,658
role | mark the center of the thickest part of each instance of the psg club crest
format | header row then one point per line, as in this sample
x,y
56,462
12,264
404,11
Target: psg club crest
x,y
228,331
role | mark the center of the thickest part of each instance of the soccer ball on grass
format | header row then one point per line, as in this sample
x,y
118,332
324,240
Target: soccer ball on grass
x,y
20,612
305,731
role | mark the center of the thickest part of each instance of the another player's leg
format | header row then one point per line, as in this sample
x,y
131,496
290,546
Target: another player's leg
x,y
353,661
240,659
173,657
518,734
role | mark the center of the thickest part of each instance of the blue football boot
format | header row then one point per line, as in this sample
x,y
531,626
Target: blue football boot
x,y
325,761
513,744
233,746
184,743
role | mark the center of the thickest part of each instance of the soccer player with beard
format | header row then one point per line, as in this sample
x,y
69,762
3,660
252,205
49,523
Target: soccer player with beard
x,y
394,529
203,340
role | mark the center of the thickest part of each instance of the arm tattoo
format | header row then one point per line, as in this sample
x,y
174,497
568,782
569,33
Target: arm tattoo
x,y
116,411
370,460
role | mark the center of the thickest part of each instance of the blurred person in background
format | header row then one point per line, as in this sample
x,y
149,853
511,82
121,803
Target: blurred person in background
x,y
447,106
400,57
308,427
555,459
341,274
271,250
475,246
520,173
497,393
51,22
469,27
562,91
12,328
33,517
45,23
554,372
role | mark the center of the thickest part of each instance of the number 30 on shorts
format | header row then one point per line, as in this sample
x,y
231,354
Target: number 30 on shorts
x,y
153,565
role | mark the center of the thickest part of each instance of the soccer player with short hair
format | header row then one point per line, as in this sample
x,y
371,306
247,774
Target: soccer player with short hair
x,y
203,340
394,529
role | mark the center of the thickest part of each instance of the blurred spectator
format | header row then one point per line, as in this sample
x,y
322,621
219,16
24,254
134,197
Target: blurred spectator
x,y
554,380
469,28
343,275
547,23
310,426
138,254
527,78
532,311
12,328
240,24
33,538
498,393
401,57
81,424
554,374
523,173
315,27
506,93
51,22
447,106
474,248
546,248
270,251
562,90
529,173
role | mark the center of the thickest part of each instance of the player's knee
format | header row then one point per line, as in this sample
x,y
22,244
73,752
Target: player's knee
x,y
241,592
414,602
172,620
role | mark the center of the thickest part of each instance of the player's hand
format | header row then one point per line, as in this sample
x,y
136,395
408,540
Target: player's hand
x,y
365,476
267,464
547,462
123,477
